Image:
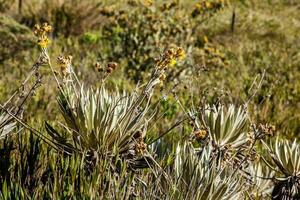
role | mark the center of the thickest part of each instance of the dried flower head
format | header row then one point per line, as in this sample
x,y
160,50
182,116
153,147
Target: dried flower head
x,y
98,67
41,32
200,134
168,59
65,64
43,42
140,147
47,28
180,53
266,129
111,66
109,70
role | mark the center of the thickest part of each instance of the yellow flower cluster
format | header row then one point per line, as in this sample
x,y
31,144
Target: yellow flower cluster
x,y
41,32
64,64
212,56
147,2
168,5
169,57
205,6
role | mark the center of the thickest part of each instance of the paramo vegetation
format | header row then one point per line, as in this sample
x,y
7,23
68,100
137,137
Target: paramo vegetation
x,y
145,99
